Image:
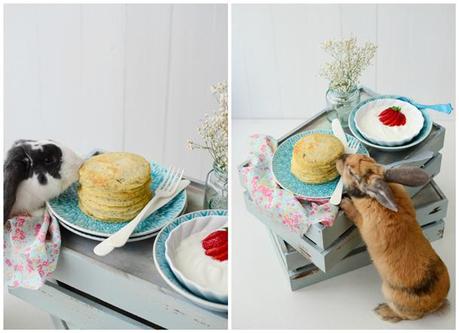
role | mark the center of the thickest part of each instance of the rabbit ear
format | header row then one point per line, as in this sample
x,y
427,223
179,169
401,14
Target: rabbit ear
x,y
15,170
381,191
409,176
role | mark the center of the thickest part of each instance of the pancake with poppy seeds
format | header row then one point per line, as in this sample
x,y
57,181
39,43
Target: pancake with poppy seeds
x,y
114,187
314,158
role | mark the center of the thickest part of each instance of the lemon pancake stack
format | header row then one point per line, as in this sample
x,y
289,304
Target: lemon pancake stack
x,y
114,187
314,158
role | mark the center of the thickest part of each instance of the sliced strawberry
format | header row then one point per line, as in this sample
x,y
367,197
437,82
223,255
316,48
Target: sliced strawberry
x,y
216,250
386,114
222,257
392,117
386,118
394,121
403,121
215,239
216,245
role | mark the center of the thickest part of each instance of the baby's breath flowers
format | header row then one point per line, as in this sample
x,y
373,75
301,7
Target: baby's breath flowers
x,y
214,129
349,62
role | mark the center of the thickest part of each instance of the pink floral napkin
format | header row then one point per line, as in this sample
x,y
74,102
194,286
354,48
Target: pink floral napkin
x,y
280,204
31,250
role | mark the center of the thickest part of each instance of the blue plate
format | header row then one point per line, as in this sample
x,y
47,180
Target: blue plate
x,y
159,256
65,208
100,238
281,166
423,134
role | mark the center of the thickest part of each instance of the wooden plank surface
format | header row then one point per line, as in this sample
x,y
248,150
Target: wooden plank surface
x,y
149,299
198,60
148,55
75,309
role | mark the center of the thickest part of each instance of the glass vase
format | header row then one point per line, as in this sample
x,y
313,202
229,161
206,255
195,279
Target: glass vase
x,y
216,191
342,104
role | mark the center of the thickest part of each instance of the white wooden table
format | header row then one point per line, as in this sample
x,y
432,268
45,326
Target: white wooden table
x,y
122,290
261,296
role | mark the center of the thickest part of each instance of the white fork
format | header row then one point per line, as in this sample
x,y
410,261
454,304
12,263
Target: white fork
x,y
166,189
335,198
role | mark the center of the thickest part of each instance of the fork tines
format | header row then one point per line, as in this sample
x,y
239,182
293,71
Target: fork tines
x,y
171,179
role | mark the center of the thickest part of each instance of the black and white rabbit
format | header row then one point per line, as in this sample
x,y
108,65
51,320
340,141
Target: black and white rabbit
x,y
34,172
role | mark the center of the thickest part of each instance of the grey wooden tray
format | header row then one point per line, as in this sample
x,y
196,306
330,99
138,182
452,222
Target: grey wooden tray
x,y
430,204
89,291
310,274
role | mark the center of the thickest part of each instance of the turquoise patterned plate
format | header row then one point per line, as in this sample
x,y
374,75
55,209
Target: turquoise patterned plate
x,y
281,169
101,238
159,256
65,208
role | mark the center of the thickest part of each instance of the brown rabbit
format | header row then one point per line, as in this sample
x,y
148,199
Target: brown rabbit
x,y
415,279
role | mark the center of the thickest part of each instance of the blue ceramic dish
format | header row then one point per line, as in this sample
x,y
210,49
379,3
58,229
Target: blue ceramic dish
x,y
281,166
422,135
159,256
65,208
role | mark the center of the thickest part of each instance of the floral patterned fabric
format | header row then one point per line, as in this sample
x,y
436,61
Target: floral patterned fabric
x,y
279,204
31,250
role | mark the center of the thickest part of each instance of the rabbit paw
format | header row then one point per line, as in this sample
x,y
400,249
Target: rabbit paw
x,y
349,209
386,313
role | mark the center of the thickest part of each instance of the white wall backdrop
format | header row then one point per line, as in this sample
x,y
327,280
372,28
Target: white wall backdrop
x,y
117,77
277,54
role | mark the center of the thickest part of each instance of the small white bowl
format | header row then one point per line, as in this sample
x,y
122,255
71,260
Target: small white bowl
x,y
385,135
184,230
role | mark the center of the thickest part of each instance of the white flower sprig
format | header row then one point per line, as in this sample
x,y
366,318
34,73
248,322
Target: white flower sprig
x,y
349,62
214,129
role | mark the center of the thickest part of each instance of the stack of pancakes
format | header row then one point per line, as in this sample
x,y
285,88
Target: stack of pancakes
x,y
114,187
314,158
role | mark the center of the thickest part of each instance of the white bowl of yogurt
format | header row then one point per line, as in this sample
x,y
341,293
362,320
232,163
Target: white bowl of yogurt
x,y
202,274
368,123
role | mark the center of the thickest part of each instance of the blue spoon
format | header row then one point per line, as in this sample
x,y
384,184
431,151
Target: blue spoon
x,y
445,108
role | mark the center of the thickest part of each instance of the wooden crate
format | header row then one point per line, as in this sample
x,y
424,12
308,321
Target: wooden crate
x,y
430,202
310,274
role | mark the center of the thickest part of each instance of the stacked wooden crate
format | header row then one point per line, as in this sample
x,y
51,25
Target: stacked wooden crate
x,y
324,252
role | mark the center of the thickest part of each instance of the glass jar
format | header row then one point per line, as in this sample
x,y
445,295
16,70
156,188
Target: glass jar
x,y
342,104
216,192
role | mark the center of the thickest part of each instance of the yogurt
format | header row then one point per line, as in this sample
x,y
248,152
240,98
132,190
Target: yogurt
x,y
191,260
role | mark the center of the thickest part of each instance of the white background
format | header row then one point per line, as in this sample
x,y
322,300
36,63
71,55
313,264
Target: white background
x,y
117,77
277,54
276,58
